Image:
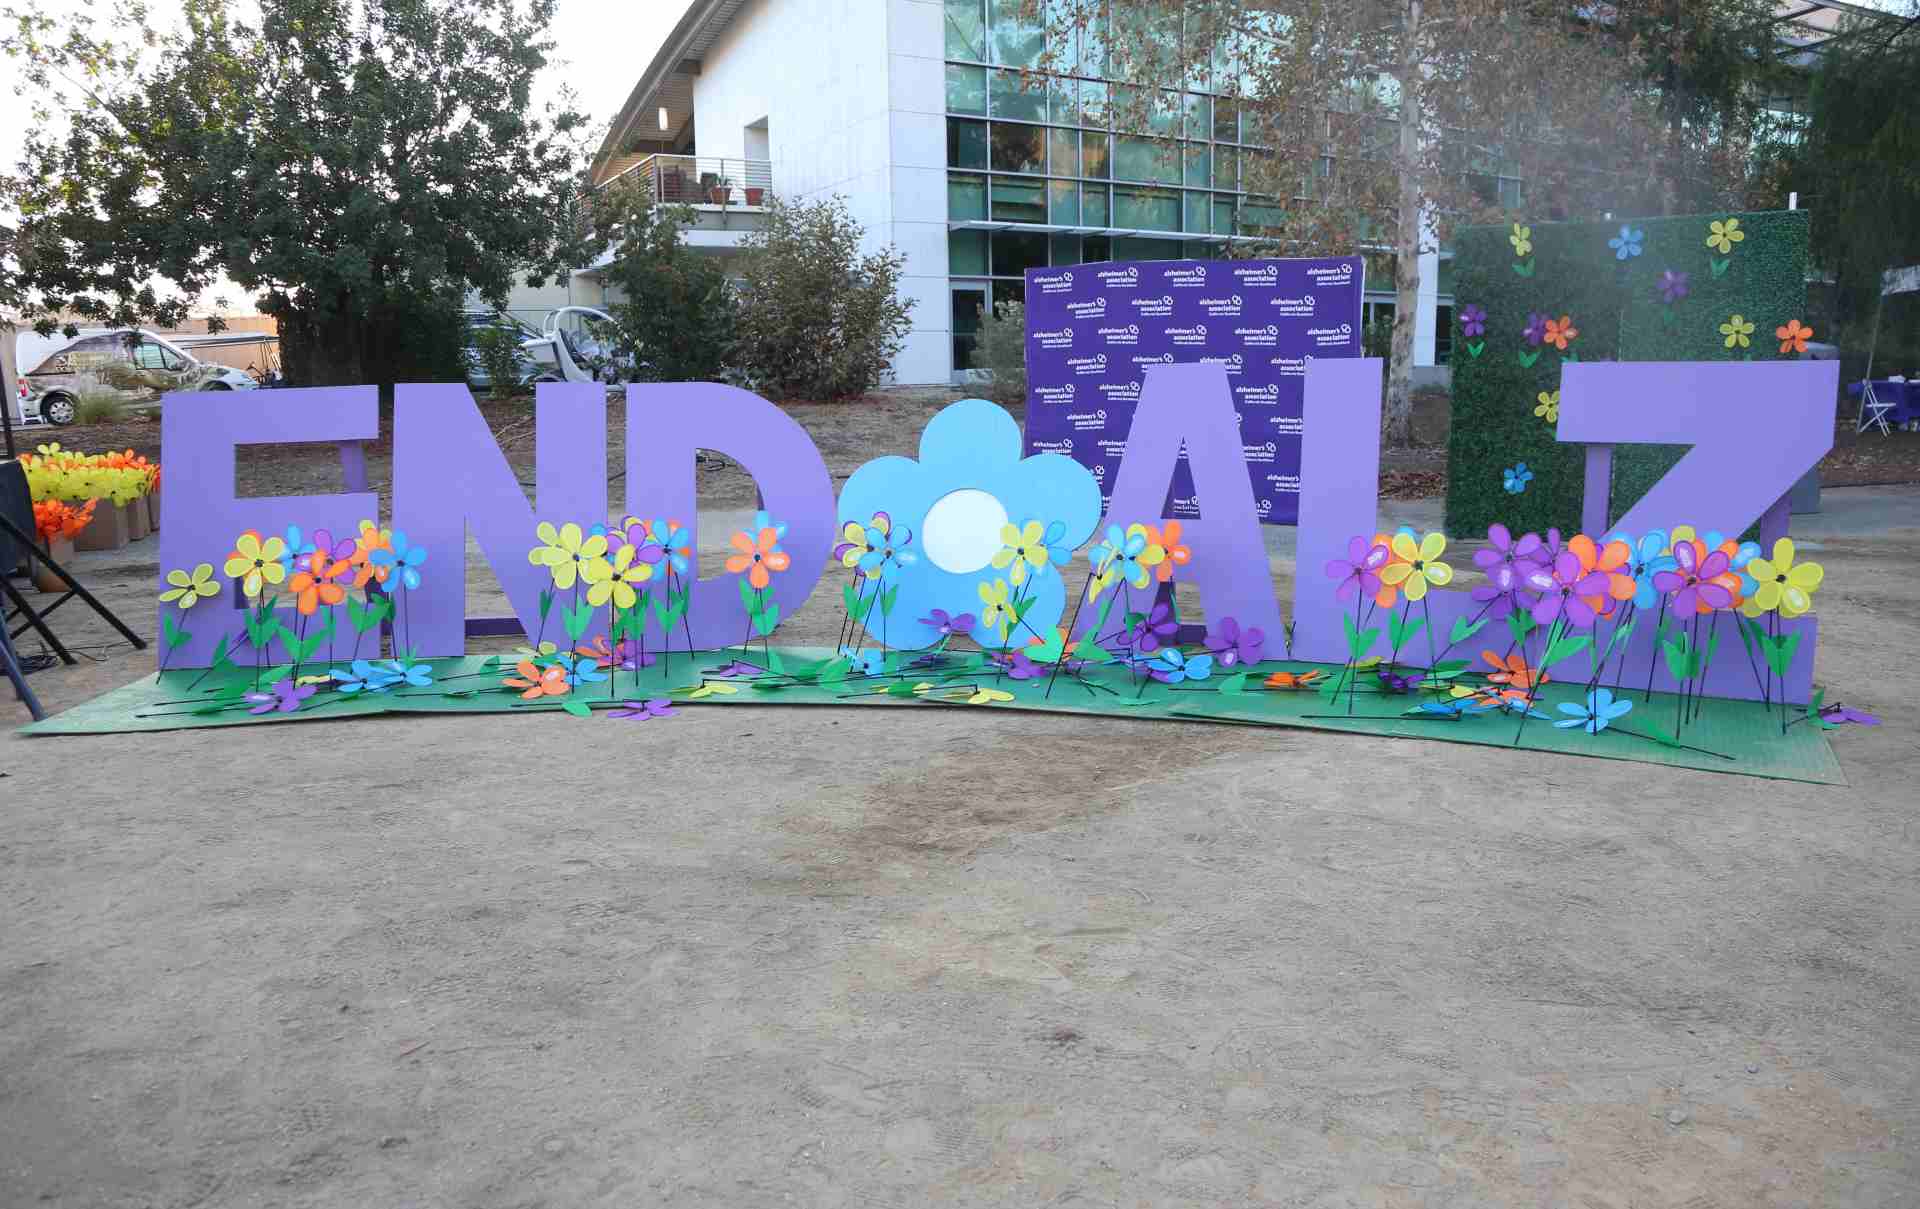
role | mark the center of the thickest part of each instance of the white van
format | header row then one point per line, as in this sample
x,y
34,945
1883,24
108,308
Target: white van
x,y
132,366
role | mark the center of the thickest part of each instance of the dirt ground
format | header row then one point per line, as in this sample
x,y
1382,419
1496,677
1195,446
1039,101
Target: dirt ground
x,y
767,957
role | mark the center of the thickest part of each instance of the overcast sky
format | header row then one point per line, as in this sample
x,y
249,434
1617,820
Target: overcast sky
x,y
602,47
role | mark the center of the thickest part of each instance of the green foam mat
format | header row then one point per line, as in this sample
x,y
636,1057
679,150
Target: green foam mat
x,y
1725,736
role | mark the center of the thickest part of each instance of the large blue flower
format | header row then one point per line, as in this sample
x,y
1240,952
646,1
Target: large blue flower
x,y
1649,558
968,484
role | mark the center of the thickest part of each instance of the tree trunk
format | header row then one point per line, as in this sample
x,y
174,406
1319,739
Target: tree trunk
x,y
320,350
1397,423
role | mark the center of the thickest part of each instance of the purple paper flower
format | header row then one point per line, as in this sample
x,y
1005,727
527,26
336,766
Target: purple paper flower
x,y
1691,583
734,671
1390,683
1473,321
1536,329
947,625
1562,587
1232,645
284,699
1504,553
1497,602
323,543
640,711
1359,571
626,656
1672,286
1022,668
1839,715
1154,630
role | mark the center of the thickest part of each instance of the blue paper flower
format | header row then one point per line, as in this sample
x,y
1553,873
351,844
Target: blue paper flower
x,y
968,483
1171,666
1649,559
1594,716
763,521
887,551
402,561
1626,245
1517,478
418,675
366,676
298,550
865,663
581,671
1743,553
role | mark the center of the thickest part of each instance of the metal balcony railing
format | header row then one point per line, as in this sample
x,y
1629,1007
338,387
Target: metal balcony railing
x,y
703,180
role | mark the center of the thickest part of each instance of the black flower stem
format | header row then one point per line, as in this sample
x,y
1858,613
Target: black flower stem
x,y
1072,622
1653,657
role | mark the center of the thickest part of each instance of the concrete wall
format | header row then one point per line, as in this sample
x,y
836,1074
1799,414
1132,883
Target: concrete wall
x,y
854,99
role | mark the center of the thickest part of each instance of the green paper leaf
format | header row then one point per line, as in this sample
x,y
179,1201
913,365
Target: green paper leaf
x,y
171,634
857,603
1403,628
1718,267
1523,268
1617,639
1106,610
902,689
490,663
1569,357
1092,653
1565,648
546,602
579,709
1020,608
768,686
668,612
1447,669
1520,623
1680,657
1234,685
1779,652
1462,631
1658,733
1528,358
766,619
576,619
887,598
221,660
746,594
1048,651
775,664
1474,349
836,671
1358,640
1747,629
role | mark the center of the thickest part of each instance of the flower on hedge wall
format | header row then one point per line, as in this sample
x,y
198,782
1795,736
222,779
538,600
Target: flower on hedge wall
x,y
1737,330
1672,286
973,447
1517,478
1522,239
1561,330
1548,408
1722,236
1473,321
1536,329
1626,245
1793,336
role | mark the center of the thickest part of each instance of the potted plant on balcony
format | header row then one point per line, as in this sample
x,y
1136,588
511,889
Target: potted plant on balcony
x,y
720,190
755,195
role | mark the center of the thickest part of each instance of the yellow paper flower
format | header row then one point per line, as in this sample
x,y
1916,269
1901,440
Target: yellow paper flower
x,y
1723,235
561,551
613,580
1100,583
1521,239
1021,548
995,611
711,688
1783,585
256,562
1549,406
987,696
188,589
1417,565
853,543
1737,331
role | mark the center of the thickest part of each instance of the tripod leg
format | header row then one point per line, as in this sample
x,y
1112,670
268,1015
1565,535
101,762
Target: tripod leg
x,y
34,620
18,675
139,644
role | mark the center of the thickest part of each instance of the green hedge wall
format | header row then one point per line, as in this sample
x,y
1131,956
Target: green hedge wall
x,y
1620,314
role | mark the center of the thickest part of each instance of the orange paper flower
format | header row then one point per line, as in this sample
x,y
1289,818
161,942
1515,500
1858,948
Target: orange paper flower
x,y
1178,554
539,682
1793,336
1295,681
1561,330
757,556
315,585
1512,671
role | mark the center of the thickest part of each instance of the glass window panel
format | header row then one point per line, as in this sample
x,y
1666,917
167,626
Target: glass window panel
x,y
966,30
966,197
1134,247
1164,117
1199,249
1199,166
1129,107
1222,215
1066,249
1145,160
1443,280
1226,120
966,144
1197,212
1063,203
1008,291
1147,209
1019,148
1199,122
1019,201
1015,41
1063,100
1010,100
1095,248
966,89
1094,210
1261,215
1226,168
1063,152
1093,104
1093,156
966,253
1014,252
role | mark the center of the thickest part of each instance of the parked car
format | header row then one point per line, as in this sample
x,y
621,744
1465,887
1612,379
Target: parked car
x,y
514,330
133,366
578,344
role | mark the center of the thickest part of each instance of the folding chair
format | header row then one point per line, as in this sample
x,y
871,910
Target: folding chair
x,y
16,527
11,560
1872,411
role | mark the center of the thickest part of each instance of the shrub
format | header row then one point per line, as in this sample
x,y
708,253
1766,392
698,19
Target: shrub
x,y
818,319
1002,348
98,407
499,358
676,313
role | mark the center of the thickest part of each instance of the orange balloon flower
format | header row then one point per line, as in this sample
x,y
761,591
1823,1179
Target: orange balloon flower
x,y
1295,681
1168,539
539,682
315,585
757,556
1512,671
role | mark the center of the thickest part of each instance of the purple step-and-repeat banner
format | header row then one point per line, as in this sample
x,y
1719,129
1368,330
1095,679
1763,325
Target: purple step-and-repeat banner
x,y
1092,329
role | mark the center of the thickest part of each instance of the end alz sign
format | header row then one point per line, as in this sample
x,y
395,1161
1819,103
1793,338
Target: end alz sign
x,y
1755,428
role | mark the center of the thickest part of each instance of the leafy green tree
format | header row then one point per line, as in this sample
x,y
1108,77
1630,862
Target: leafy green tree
x,y
819,319
1002,348
356,163
676,313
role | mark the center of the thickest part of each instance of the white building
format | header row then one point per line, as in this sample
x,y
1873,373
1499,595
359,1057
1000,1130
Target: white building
x,y
912,111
